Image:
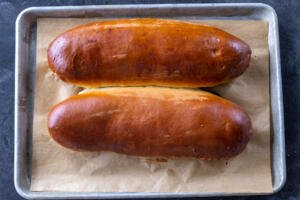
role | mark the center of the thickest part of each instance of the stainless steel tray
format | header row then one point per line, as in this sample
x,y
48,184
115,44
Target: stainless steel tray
x,y
25,70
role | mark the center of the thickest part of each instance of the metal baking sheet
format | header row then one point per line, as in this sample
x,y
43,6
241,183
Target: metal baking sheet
x,y
25,72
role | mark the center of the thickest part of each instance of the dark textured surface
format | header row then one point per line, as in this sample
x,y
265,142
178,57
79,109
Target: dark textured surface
x,y
289,25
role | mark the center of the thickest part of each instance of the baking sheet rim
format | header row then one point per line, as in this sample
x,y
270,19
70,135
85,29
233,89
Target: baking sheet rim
x,y
278,135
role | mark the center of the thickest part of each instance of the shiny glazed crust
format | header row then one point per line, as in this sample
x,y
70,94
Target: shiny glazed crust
x,y
151,121
147,52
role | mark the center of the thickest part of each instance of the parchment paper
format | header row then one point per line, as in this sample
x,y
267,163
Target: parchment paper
x,y
55,168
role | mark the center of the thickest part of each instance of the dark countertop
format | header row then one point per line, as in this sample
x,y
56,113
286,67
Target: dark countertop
x,y
289,29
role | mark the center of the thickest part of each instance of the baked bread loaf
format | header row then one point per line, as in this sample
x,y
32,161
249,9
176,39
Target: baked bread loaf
x,y
145,52
151,121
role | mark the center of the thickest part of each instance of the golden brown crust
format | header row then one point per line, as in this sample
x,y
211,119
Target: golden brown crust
x,y
151,121
147,52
